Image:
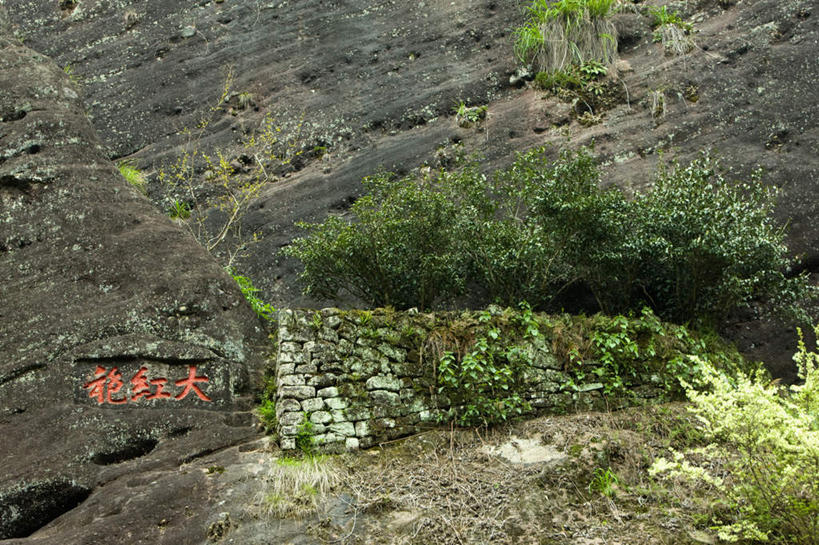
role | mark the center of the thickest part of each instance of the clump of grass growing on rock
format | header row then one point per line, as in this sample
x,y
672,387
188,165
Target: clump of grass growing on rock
x,y
467,116
134,176
565,32
672,31
295,485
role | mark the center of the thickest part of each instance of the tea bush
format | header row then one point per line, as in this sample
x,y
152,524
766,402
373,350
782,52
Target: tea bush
x,y
400,249
693,248
706,246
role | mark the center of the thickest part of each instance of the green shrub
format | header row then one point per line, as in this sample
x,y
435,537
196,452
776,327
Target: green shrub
x,y
695,247
663,17
267,414
399,250
484,382
763,463
623,352
510,255
576,78
706,246
559,33
591,224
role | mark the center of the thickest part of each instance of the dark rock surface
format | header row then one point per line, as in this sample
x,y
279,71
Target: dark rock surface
x,y
375,83
97,285
93,276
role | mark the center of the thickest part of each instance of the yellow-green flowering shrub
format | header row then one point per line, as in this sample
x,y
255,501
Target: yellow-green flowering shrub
x,y
763,464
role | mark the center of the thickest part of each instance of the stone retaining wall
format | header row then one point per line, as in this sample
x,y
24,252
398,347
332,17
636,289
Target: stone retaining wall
x,y
352,379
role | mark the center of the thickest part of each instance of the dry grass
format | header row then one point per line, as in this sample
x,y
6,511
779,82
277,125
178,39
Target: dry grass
x,y
443,487
295,487
675,40
586,39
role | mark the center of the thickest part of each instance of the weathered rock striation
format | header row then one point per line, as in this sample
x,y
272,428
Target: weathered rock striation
x,y
125,349
375,83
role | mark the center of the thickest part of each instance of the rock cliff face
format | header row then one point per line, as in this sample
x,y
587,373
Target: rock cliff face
x,y
374,85
94,279
126,349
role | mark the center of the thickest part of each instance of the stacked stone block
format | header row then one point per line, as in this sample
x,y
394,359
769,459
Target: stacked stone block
x,y
353,379
350,377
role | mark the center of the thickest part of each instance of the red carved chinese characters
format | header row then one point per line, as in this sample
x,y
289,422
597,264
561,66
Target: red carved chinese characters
x,y
159,383
106,385
141,386
190,384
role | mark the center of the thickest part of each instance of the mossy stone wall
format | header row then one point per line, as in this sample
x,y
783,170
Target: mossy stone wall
x,y
364,377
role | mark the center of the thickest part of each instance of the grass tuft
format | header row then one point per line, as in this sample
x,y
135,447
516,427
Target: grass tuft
x,y
566,32
134,176
295,485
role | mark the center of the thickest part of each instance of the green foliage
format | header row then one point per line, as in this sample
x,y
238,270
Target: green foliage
x,y
267,414
69,70
262,309
693,248
764,459
591,224
576,77
316,321
672,31
400,249
483,384
566,32
467,116
509,255
583,85
706,246
623,352
179,210
304,436
134,176
663,17
604,481
267,402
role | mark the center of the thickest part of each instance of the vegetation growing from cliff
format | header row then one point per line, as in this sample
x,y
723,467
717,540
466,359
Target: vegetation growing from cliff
x,y
560,33
210,190
134,176
263,310
693,248
672,31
